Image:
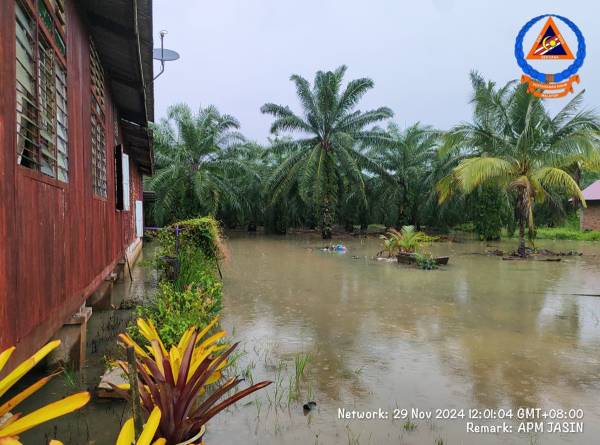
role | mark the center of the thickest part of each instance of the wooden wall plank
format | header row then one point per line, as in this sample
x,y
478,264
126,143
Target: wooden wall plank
x,y
7,171
58,240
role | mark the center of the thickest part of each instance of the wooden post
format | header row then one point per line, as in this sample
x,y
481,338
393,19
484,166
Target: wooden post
x,y
128,265
135,392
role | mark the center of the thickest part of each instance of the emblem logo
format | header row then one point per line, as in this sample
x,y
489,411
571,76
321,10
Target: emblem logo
x,y
550,45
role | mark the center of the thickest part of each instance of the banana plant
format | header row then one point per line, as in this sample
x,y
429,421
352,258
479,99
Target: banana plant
x,y
13,424
183,382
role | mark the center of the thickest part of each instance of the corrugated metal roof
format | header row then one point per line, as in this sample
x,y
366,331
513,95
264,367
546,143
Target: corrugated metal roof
x,y
592,193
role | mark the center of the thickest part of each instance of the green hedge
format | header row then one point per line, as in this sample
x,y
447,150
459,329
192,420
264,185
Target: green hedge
x,y
198,233
194,297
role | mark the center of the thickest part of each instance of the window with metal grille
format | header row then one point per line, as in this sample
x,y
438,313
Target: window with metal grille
x,y
41,88
98,124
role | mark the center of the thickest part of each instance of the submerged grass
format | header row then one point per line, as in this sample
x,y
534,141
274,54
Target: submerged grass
x,y
301,361
71,379
409,426
288,387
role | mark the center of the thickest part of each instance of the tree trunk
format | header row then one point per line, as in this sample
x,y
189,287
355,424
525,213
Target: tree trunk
x,y
329,196
521,250
401,218
364,221
522,211
577,177
326,221
414,219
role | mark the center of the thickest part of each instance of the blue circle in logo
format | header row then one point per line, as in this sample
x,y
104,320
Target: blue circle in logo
x,y
558,77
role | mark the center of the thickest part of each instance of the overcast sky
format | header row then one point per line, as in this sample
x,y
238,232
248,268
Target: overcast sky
x,y
239,54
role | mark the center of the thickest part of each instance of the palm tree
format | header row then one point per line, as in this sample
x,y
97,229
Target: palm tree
x,y
191,163
331,142
408,160
514,143
247,182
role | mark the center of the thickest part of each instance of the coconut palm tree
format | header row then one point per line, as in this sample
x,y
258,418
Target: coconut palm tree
x,y
331,137
191,163
514,143
408,159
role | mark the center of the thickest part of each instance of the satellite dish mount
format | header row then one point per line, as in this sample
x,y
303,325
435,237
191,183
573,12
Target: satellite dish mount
x,y
163,55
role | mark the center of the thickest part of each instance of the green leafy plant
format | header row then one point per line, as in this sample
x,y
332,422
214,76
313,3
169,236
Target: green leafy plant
x,y
409,426
184,381
489,211
411,239
174,311
465,227
194,296
390,242
202,233
426,261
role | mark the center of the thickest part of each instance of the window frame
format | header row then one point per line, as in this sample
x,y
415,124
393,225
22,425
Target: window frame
x,y
119,201
43,119
98,127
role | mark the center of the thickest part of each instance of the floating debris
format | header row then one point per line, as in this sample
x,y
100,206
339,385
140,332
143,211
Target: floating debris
x,y
309,406
114,376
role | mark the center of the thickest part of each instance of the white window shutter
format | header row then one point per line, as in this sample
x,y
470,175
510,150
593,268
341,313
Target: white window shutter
x,y
139,218
126,192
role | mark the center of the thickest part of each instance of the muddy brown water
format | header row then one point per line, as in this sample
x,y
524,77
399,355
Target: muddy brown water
x,y
481,335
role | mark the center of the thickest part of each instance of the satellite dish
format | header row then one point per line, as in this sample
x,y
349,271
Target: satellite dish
x,y
164,55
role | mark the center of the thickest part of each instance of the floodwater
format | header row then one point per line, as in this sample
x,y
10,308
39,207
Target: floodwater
x,y
478,334
481,333
100,421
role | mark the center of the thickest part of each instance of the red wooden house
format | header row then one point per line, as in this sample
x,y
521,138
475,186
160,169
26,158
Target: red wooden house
x,y
76,98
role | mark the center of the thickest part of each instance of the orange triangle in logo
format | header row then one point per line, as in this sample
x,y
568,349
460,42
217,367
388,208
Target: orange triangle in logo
x,y
550,44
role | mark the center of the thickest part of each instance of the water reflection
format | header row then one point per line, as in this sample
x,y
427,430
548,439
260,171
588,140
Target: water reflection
x,y
481,333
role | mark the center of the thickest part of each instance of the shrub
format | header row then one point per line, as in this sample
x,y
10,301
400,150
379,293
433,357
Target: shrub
x,y
194,294
488,212
465,227
175,311
425,261
200,233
